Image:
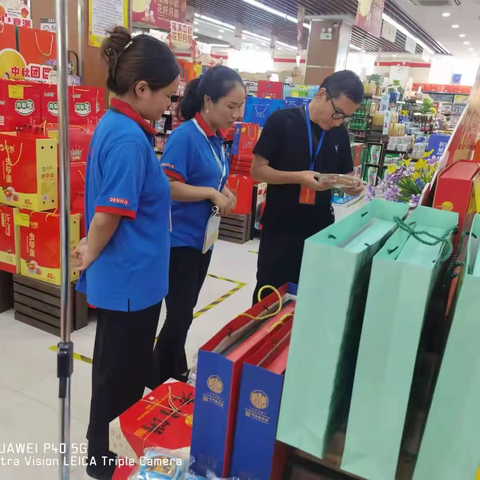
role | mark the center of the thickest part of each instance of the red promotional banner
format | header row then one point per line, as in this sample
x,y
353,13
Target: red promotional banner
x,y
369,16
159,13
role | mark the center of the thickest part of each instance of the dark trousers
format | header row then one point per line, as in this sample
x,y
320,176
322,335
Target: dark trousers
x,y
121,369
279,260
188,269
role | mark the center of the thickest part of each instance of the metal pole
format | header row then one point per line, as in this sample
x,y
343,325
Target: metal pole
x,y
81,38
65,347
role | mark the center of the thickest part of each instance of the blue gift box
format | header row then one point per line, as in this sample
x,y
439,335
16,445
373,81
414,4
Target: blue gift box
x,y
218,382
256,453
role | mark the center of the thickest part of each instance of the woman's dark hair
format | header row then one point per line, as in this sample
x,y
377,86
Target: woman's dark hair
x,y
133,59
216,83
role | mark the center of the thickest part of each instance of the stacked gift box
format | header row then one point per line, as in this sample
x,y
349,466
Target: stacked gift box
x,y
227,424
30,245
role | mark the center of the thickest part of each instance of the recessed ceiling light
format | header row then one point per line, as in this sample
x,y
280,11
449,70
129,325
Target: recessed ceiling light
x,y
219,36
221,31
195,37
466,43
278,48
393,55
445,14
196,30
195,22
462,35
455,25
471,49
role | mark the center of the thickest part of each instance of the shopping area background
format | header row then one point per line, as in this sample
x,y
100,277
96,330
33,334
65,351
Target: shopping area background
x,y
397,334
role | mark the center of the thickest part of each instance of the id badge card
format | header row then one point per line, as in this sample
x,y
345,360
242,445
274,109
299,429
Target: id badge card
x,y
212,231
307,195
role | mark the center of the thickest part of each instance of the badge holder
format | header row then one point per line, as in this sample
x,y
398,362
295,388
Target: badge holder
x,y
212,230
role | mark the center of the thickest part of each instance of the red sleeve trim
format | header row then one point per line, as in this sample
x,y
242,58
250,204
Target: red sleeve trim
x,y
116,211
173,174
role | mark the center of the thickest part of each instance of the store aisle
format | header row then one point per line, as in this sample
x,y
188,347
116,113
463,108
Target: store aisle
x,y
28,383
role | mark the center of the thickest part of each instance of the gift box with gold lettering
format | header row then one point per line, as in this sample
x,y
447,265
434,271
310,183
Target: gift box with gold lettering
x,y
163,418
40,244
29,171
219,369
9,240
256,453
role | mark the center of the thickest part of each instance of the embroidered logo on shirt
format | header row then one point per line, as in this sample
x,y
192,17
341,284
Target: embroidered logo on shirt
x,y
168,165
121,201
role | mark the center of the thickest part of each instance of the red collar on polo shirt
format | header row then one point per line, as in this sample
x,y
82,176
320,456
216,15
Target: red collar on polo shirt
x,y
126,109
203,125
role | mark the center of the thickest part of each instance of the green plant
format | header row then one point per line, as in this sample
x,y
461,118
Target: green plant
x,y
376,79
427,106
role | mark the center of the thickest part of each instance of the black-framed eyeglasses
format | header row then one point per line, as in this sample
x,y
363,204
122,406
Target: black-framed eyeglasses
x,y
337,114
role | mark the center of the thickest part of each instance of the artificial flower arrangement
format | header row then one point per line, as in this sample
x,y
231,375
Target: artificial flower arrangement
x,y
405,181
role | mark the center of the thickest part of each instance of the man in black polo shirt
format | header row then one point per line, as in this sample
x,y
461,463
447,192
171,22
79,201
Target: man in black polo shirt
x,y
296,145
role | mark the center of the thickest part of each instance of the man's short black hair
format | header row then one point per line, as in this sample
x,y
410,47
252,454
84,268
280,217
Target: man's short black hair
x,y
346,83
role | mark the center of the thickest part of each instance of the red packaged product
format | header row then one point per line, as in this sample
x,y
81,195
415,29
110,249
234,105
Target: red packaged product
x,y
163,419
242,187
267,89
20,105
40,244
9,240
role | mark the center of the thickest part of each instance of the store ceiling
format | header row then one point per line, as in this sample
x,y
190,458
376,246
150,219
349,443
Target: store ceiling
x,y
466,16
264,23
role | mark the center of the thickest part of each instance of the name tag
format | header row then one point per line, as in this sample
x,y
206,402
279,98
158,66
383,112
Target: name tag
x,y
307,196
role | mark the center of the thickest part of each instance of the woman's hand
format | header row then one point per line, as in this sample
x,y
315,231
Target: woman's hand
x,y
81,258
232,198
221,201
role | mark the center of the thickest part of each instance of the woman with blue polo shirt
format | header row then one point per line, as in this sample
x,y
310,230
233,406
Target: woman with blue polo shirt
x,y
127,208
194,161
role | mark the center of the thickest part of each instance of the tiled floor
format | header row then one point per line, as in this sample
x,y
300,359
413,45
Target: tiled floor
x,y
28,378
28,381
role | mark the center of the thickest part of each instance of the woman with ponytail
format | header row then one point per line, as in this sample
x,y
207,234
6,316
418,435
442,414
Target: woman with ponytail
x,y
124,260
195,164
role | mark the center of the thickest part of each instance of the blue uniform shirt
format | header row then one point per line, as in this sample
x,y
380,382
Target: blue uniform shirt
x,y
188,158
125,177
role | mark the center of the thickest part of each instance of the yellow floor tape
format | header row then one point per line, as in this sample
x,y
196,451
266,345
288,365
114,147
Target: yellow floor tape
x,y
239,286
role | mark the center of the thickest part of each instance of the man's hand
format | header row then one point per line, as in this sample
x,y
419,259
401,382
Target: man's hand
x,y
311,179
354,191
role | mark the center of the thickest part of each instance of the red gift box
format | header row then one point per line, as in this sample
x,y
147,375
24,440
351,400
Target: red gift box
x,y
82,105
163,419
36,46
79,140
123,470
9,240
242,187
455,191
20,105
245,138
77,193
40,244
267,89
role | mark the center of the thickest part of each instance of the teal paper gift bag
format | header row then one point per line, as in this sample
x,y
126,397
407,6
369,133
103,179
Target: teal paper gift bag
x,y
403,276
450,447
326,329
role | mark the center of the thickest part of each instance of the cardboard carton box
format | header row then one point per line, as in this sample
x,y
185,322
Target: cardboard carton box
x,y
29,171
40,244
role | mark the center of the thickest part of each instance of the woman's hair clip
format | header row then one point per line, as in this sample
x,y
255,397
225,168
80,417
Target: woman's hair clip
x,y
128,44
